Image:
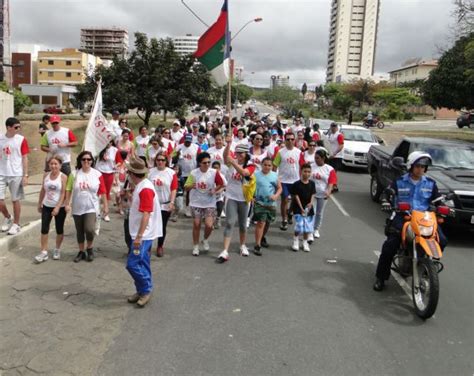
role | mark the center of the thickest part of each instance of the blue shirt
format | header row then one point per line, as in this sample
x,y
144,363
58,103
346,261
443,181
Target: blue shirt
x,y
419,195
266,187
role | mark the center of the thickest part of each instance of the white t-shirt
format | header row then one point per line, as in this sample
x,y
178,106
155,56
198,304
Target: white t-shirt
x,y
145,199
309,158
335,140
164,182
141,143
200,196
257,159
288,165
115,127
187,158
86,188
12,150
177,136
52,190
53,138
108,164
218,155
322,177
234,183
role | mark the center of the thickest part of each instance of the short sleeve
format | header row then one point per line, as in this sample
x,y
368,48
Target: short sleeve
x,y
24,147
340,139
71,136
332,177
174,182
251,169
70,183
218,180
277,159
147,197
44,140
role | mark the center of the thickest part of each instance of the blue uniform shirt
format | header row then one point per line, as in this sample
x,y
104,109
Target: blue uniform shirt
x,y
419,195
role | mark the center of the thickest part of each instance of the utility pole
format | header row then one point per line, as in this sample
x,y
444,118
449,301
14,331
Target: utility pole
x,y
5,53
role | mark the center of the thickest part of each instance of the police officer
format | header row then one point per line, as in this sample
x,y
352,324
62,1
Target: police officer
x,y
418,190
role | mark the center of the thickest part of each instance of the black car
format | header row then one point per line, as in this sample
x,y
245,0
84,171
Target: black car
x,y
465,120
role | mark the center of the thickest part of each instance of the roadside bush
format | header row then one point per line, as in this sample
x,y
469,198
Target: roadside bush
x,y
392,112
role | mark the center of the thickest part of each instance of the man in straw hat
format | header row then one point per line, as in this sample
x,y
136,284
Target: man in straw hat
x,y
145,225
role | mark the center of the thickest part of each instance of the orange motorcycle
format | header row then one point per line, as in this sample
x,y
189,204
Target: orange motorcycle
x,y
419,255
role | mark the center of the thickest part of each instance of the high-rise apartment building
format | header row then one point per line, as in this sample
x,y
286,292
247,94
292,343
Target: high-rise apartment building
x,y
104,42
66,67
352,39
186,45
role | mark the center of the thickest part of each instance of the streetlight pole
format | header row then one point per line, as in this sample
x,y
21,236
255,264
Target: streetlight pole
x,y
258,19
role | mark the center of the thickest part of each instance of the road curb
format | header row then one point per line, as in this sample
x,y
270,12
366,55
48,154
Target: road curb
x,y
12,242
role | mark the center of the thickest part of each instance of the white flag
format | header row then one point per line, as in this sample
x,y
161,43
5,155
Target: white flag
x,y
98,132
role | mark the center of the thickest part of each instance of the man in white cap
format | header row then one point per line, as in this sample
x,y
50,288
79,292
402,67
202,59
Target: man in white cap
x,y
145,225
176,132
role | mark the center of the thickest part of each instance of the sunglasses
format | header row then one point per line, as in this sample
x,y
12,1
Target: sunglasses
x,y
312,144
161,160
86,159
206,162
289,139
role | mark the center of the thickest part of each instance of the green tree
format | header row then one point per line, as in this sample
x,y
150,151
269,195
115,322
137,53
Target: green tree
x,y
398,96
450,84
361,91
332,89
304,89
342,102
20,100
280,94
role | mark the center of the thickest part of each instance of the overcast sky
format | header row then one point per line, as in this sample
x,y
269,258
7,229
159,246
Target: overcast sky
x,y
292,39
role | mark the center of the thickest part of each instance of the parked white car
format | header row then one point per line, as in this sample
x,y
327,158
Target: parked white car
x,y
357,142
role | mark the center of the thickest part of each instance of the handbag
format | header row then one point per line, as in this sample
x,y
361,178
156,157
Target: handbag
x,y
249,186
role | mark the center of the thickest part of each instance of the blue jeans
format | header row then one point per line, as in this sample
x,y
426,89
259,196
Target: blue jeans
x,y
138,265
319,205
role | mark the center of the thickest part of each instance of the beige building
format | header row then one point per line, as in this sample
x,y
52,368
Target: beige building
x,y
66,67
104,42
412,70
352,39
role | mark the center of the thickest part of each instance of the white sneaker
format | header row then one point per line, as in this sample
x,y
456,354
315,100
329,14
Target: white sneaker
x,y
188,212
107,218
196,250
306,246
316,234
223,214
248,222
14,229
43,256
310,238
223,256
244,251
56,254
205,245
296,245
7,223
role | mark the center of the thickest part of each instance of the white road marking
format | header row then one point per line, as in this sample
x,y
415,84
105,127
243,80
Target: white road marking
x,y
339,206
405,286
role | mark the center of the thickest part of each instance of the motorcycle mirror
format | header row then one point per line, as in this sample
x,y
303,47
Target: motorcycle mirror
x,y
450,196
397,162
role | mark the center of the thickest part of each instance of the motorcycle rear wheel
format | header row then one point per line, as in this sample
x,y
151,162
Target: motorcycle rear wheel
x,y
380,125
426,295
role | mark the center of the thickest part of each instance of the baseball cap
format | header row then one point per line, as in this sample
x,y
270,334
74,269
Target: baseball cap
x,y
55,119
115,112
242,148
188,137
274,132
176,122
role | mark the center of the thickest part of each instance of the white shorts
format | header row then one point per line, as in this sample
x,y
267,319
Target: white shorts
x,y
14,183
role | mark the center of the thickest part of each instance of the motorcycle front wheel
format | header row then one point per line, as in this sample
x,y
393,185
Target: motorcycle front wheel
x,y
380,125
426,294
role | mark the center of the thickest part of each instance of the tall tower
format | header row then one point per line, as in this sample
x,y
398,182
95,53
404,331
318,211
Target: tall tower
x,y
352,39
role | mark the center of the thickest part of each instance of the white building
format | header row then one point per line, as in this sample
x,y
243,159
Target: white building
x,y
104,42
186,45
412,70
280,80
352,39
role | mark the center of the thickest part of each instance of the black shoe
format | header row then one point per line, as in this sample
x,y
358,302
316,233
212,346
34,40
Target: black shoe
x,y
379,284
290,219
335,189
80,256
264,243
90,254
284,226
257,251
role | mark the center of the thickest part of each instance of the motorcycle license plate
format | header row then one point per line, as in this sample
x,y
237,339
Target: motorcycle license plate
x,y
472,220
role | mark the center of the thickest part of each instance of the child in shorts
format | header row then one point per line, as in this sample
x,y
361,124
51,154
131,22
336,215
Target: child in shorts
x,y
303,193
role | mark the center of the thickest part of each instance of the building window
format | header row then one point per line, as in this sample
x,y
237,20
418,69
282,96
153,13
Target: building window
x,y
50,74
50,62
20,63
68,74
68,62
21,74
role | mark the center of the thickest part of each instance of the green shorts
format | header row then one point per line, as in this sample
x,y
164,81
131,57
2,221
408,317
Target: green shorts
x,y
264,213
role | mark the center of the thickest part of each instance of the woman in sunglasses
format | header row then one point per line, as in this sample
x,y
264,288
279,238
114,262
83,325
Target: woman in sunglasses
x,y
152,151
165,181
85,187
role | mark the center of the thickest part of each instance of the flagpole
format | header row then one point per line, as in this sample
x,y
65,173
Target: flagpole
x,y
229,84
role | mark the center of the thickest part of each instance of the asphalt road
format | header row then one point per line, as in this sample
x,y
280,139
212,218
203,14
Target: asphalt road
x,y
292,313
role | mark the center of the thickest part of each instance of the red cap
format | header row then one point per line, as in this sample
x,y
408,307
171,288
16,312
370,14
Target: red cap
x,y
54,119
